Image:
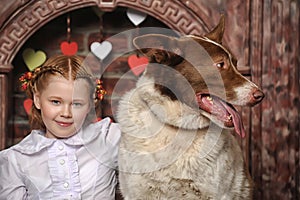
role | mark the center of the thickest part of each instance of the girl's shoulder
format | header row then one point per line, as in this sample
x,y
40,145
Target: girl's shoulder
x,y
32,143
104,129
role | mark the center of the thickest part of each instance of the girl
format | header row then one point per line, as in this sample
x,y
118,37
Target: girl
x,y
66,156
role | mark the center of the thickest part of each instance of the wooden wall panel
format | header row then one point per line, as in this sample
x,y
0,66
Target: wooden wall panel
x,y
3,109
275,59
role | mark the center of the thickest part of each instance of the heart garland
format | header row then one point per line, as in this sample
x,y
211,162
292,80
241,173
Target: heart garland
x,y
27,105
33,59
101,50
137,64
69,48
135,16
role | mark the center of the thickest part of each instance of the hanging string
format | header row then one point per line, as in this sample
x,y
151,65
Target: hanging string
x,y
101,36
101,28
68,28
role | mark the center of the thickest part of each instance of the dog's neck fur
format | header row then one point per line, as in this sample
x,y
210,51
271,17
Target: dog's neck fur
x,y
168,111
162,121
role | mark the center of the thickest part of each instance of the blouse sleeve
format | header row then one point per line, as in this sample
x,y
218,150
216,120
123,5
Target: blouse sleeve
x,y
11,184
104,147
114,135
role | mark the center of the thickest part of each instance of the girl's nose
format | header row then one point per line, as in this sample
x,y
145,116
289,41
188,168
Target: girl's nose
x,y
66,111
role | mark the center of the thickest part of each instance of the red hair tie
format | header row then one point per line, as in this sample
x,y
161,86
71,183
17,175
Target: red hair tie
x,y
100,91
25,79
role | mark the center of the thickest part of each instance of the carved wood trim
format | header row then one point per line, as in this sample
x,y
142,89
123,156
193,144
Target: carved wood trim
x,y
173,13
4,107
29,18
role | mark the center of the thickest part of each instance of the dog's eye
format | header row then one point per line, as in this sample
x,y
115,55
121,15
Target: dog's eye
x,y
220,65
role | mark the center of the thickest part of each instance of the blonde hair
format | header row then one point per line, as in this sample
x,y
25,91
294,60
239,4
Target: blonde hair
x,y
71,68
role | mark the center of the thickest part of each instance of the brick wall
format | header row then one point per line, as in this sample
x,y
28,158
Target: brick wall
x,y
85,29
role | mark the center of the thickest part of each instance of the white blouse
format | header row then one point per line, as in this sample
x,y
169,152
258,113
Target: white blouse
x,y
80,167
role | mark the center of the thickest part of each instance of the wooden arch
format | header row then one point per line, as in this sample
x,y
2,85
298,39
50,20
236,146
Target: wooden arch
x,y
31,16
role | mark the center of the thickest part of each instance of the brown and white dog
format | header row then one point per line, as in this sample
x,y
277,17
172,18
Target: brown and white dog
x,y
176,123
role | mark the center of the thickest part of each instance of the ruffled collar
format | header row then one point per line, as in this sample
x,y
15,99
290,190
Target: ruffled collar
x,y
36,140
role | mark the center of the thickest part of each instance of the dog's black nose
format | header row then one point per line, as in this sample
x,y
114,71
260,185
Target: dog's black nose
x,y
258,96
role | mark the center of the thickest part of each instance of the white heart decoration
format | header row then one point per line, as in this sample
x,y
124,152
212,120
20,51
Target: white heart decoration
x,y
135,16
101,50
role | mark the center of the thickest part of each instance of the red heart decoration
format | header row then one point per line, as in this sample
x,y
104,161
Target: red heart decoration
x,y
69,49
137,64
27,105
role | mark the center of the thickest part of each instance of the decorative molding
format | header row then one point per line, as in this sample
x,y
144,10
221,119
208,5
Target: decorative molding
x,y
174,13
28,20
4,109
35,14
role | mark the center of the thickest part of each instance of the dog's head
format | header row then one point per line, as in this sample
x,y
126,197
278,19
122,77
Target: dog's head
x,y
206,75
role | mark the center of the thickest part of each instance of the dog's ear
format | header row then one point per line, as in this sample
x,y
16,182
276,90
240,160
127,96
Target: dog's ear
x,y
217,33
159,48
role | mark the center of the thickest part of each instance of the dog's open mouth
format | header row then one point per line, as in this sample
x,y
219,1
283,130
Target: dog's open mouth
x,y
222,110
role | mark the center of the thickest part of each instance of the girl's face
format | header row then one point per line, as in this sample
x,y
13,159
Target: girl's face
x,y
64,105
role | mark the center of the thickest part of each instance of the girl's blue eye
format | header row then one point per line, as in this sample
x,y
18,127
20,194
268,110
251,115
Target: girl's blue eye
x,y
55,102
77,104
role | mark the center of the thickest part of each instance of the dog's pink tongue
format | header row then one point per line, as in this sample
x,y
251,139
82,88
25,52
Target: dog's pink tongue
x,y
237,120
223,112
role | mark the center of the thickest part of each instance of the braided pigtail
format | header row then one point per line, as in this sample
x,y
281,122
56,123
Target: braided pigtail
x,y
31,81
29,78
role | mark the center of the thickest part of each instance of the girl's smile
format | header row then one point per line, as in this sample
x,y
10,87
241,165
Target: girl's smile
x,y
64,124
